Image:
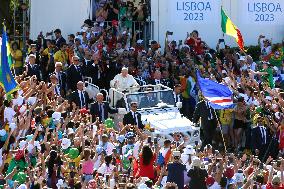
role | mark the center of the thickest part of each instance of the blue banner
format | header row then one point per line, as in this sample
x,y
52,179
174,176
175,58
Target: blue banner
x,y
7,80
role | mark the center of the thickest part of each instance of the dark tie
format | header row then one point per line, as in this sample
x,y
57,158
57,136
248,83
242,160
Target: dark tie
x,y
135,122
59,79
82,99
262,130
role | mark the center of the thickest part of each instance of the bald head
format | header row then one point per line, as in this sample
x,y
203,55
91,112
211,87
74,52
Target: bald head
x,y
80,85
100,97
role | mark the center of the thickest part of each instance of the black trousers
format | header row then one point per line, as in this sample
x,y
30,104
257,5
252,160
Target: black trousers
x,y
188,107
209,130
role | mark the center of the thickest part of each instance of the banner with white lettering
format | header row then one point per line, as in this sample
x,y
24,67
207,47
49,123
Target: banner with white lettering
x,y
262,11
195,11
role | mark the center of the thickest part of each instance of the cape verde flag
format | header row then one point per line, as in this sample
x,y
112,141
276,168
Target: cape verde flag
x,y
218,95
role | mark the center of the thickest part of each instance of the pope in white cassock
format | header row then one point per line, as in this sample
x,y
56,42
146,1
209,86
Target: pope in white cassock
x,y
124,81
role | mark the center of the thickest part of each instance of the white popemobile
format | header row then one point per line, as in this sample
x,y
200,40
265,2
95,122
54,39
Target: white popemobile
x,y
163,116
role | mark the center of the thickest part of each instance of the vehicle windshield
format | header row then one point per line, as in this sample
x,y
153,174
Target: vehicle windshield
x,y
149,99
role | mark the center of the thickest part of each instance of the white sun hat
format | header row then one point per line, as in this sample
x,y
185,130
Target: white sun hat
x,y
66,143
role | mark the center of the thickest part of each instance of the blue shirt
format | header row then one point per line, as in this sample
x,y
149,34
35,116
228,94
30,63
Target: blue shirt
x,y
176,174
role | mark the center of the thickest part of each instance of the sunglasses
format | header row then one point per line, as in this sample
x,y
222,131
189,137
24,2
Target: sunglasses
x,y
75,60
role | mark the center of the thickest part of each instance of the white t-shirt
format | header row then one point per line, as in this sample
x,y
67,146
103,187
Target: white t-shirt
x,y
135,150
97,163
253,66
104,169
108,147
265,50
9,114
18,101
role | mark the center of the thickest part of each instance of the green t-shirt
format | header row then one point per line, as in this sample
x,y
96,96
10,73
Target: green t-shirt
x,y
268,77
277,58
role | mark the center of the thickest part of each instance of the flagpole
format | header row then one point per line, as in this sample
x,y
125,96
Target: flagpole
x,y
219,125
218,122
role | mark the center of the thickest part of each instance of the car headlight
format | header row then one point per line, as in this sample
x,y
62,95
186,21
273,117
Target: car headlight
x,y
195,133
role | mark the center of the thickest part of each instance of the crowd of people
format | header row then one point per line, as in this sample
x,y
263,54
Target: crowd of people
x,y
126,11
54,135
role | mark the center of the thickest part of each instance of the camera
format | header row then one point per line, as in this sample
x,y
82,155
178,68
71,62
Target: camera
x,y
170,33
155,140
149,140
49,33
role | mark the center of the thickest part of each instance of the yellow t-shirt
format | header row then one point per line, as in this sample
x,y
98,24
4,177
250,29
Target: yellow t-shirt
x,y
18,58
226,117
46,52
60,56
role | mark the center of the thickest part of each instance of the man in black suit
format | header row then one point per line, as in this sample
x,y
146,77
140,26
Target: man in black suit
x,y
86,62
54,81
177,93
61,78
133,117
74,74
157,78
101,109
178,97
93,70
34,52
174,97
32,68
259,138
149,100
208,122
166,81
80,97
140,80
58,38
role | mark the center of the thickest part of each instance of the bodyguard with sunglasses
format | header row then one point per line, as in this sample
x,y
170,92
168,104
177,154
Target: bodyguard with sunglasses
x,y
133,117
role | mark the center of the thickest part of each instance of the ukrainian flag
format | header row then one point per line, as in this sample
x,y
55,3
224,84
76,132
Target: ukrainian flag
x,y
7,80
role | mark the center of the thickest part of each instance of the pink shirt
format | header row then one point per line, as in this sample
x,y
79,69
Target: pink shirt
x,y
88,167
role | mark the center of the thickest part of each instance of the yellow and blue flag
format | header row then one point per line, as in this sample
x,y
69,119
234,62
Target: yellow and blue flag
x,y
7,80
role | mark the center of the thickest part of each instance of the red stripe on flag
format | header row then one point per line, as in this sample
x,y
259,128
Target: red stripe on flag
x,y
240,40
221,101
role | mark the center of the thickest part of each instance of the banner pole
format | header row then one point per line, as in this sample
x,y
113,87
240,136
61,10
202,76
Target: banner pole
x,y
219,125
